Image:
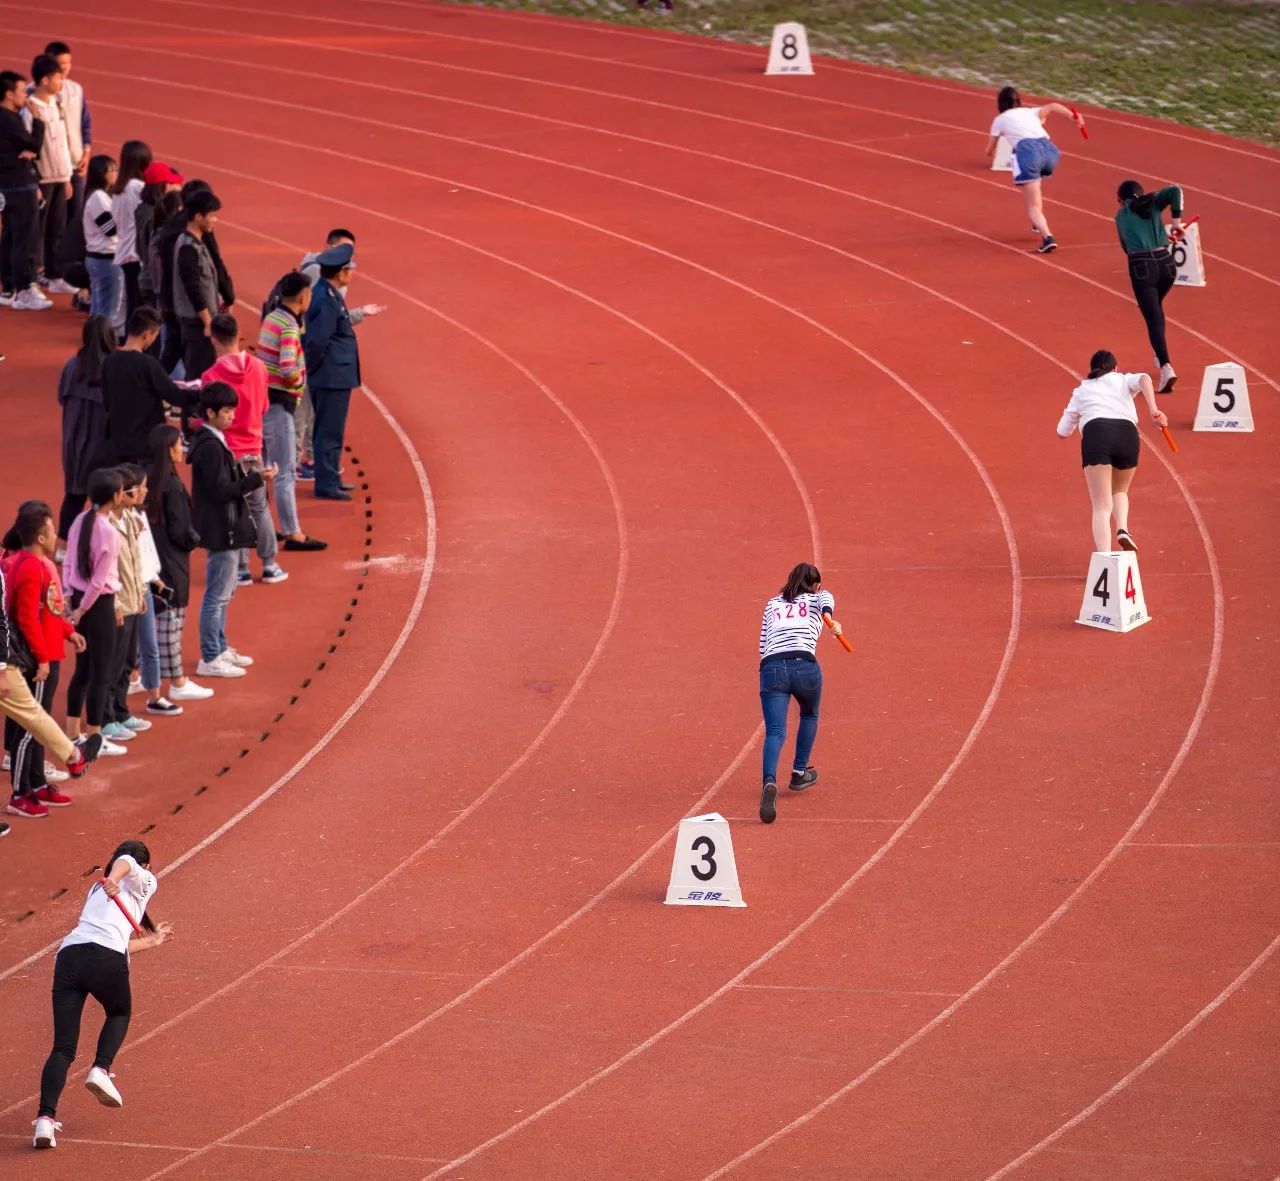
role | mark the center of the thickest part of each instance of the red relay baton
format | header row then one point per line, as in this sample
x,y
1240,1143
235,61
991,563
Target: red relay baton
x,y
1168,438
844,643
1083,129
137,930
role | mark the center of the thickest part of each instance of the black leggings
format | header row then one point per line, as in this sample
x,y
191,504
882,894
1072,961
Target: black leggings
x,y
81,971
132,290
1152,279
87,691
72,507
123,660
26,755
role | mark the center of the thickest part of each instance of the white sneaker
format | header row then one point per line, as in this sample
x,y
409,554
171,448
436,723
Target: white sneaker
x,y
61,287
112,749
136,687
99,1082
189,691
234,657
7,298
30,301
219,668
1167,380
47,1129
54,774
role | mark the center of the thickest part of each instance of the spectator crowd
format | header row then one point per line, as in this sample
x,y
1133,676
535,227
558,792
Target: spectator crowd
x,y
178,436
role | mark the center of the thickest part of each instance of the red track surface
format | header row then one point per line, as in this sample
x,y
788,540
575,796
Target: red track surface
x,y
659,329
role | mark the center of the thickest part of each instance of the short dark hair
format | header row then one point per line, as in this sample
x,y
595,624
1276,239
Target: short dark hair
x,y
217,395
293,285
8,80
224,329
57,48
200,202
338,234
142,320
1102,362
1008,98
193,186
44,65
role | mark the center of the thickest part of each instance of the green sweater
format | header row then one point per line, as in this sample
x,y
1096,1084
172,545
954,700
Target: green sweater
x,y
1148,233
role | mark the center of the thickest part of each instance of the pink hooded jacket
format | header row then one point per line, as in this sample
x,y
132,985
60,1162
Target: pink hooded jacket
x,y
245,374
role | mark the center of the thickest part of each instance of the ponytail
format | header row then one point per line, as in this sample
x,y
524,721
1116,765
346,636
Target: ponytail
x,y
104,484
142,855
1101,363
1132,197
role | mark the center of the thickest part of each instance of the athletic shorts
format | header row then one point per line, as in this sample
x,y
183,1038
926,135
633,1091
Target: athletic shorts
x,y
1035,158
1112,441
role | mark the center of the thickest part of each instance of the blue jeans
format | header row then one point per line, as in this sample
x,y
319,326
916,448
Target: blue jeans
x,y
780,681
106,282
148,648
279,441
219,586
327,434
261,514
1036,159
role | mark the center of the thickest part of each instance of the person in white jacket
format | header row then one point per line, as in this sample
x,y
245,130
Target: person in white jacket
x,y
1102,407
54,166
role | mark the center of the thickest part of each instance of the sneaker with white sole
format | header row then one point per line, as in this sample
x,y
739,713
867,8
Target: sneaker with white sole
x,y
136,686
137,725
244,578
111,749
60,287
54,774
239,659
116,732
163,707
219,668
1168,379
99,1082
1124,541
30,301
274,574
189,691
47,1129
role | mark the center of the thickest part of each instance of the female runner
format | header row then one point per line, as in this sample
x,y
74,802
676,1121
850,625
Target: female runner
x,y
1035,155
93,961
1152,271
1103,407
788,668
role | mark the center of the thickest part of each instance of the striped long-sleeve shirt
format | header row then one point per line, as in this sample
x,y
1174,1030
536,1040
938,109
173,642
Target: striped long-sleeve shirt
x,y
794,627
280,349
99,225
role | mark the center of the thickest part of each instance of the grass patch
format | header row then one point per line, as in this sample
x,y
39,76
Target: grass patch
x,y
1206,63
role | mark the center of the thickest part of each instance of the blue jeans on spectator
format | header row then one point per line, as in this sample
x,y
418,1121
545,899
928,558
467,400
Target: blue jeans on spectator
x,y
148,648
219,586
327,435
280,443
105,285
781,679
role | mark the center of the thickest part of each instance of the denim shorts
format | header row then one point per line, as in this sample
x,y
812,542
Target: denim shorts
x,y
1035,158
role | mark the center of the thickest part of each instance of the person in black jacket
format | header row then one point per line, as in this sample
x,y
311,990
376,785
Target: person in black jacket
x,y
168,508
21,138
135,389
224,523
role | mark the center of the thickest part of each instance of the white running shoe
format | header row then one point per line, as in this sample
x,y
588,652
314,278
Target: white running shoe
x,y
61,287
54,774
112,749
236,658
99,1082
189,691
1168,379
7,298
221,667
136,687
30,301
47,1130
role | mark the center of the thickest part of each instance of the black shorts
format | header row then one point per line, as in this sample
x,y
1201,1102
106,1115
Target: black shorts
x,y
1109,440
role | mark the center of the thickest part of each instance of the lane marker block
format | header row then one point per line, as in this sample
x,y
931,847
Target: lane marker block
x,y
704,872
1224,399
1002,161
1189,259
789,50
1113,599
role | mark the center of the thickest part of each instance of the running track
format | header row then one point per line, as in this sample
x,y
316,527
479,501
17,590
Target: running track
x,y
661,328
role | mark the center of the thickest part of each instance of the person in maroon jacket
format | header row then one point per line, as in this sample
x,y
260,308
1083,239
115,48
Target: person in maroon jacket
x,y
37,610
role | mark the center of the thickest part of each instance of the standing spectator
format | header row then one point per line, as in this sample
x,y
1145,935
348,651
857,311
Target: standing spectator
x,y
119,724
280,349
75,111
101,238
168,510
135,389
126,196
36,609
245,374
21,138
84,419
222,519
54,166
92,574
195,283
153,590
159,181
333,368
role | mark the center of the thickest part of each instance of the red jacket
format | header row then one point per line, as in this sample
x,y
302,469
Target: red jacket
x,y
245,374
36,605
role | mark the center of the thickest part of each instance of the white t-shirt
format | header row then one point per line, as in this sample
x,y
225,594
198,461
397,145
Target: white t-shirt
x,y
794,626
99,225
1019,123
101,921
124,206
148,557
1108,396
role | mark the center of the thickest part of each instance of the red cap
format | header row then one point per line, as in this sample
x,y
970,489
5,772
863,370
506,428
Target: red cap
x,y
161,174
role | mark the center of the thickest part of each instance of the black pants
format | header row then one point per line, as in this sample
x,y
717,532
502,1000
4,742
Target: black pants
x,y
81,971
53,224
87,691
197,350
171,353
132,290
122,661
1152,280
19,233
26,755
72,506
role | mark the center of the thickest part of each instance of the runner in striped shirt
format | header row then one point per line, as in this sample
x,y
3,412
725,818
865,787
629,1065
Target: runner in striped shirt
x,y
788,668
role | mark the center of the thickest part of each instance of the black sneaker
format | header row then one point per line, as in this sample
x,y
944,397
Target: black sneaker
x,y
1124,541
768,808
1047,246
91,747
164,707
4,829
801,781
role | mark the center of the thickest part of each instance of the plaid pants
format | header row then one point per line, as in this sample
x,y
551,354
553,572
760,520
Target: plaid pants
x,y
169,624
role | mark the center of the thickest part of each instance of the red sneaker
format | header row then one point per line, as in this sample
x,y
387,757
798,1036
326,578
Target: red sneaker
x,y
26,806
51,797
78,765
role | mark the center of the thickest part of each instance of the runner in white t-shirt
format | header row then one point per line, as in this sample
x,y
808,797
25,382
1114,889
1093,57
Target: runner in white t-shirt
x,y
1035,155
1102,407
93,961
793,621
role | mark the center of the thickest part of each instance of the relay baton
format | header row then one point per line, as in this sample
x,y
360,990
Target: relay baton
x,y
1168,438
1083,129
137,930
1182,232
844,642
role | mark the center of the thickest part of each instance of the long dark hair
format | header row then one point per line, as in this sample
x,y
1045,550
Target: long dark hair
x,y
1007,99
142,855
97,340
159,442
1134,199
103,486
31,518
801,581
1102,362
96,178
135,159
